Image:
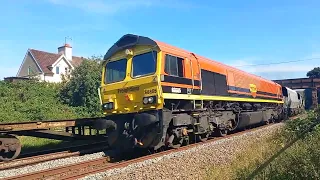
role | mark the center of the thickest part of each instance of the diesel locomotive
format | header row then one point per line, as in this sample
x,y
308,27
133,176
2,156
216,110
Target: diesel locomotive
x,y
156,95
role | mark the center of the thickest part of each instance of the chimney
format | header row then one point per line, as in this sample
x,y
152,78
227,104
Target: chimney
x,y
66,49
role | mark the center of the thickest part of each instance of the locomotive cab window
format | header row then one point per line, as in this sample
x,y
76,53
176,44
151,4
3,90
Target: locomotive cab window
x,y
174,66
144,64
115,71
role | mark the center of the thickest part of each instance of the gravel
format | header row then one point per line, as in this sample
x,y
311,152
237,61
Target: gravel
x,y
188,164
49,165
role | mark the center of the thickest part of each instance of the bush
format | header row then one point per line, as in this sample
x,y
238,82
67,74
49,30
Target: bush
x,y
30,101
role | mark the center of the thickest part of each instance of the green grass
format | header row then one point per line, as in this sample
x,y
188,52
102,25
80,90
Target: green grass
x,y
299,161
244,162
32,144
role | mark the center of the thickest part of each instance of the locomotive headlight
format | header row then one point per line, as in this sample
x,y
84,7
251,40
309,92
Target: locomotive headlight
x,y
149,100
129,52
108,106
145,100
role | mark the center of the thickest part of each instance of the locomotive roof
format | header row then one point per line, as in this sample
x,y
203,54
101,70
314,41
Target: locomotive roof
x,y
128,41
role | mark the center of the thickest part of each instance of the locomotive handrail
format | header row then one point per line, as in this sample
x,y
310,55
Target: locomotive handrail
x,y
200,77
192,76
99,92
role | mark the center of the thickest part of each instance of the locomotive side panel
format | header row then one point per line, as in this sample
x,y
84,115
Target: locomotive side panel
x,y
225,90
243,84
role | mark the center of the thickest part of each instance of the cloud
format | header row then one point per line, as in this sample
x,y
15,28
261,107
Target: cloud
x,y
115,6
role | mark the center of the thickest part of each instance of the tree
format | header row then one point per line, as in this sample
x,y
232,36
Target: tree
x,y
314,73
80,89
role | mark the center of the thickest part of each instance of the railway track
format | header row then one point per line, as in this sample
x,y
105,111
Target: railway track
x,y
74,171
53,154
85,168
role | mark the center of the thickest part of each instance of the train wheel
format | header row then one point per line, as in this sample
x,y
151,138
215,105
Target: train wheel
x,y
10,148
275,119
202,137
222,132
174,142
175,145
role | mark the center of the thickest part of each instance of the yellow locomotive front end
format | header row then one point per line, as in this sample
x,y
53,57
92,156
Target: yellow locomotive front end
x,y
130,82
130,93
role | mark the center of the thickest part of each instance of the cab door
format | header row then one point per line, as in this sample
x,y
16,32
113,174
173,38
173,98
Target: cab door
x,y
195,74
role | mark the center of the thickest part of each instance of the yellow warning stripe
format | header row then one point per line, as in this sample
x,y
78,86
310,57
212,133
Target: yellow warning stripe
x,y
217,98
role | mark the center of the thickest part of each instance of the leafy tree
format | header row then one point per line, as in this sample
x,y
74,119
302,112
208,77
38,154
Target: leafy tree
x,y
314,73
80,89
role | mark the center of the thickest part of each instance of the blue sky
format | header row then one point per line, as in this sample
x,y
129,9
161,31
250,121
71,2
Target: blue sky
x,y
238,33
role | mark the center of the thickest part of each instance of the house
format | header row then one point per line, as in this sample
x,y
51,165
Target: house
x,y
49,66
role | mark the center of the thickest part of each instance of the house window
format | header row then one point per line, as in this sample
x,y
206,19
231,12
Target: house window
x,y
173,66
66,70
29,70
57,70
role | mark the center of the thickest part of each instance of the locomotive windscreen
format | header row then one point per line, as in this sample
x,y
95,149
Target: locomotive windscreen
x,y
115,71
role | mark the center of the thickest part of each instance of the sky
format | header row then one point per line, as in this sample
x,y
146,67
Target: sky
x,y
255,36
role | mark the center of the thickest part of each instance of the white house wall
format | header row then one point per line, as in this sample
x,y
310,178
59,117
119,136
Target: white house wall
x,y
62,64
41,77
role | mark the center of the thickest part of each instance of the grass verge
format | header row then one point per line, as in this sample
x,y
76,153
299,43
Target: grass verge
x,y
299,161
245,161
